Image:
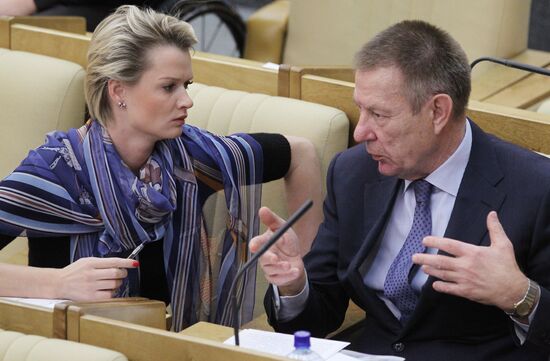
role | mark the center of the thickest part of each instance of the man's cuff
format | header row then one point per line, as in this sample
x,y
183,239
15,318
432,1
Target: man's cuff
x,y
288,307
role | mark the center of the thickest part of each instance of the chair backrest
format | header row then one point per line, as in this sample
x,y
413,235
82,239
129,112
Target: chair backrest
x,y
223,111
38,94
327,32
16,346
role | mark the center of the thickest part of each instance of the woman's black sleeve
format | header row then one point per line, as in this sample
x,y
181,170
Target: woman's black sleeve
x,y
45,252
53,252
277,155
44,4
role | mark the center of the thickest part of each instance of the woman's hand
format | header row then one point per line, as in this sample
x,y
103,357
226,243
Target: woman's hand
x,y
17,7
91,278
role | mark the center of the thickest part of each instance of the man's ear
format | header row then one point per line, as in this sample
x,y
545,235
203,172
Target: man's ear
x,y
116,91
441,110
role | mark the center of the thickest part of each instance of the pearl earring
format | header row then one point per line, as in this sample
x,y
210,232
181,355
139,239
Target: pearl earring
x,y
122,105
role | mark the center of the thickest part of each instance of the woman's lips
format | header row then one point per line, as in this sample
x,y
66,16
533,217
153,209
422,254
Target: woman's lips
x,y
180,119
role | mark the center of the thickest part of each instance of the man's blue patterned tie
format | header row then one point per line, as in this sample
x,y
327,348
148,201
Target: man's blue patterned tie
x,y
397,285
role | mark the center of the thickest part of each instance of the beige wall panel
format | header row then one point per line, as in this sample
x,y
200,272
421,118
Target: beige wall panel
x,y
329,32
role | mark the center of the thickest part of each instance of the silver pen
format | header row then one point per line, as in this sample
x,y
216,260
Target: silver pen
x,y
136,251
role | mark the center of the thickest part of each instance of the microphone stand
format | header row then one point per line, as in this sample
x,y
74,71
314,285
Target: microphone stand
x,y
235,306
512,64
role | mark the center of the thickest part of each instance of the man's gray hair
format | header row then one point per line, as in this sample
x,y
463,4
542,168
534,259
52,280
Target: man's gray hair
x,y
431,61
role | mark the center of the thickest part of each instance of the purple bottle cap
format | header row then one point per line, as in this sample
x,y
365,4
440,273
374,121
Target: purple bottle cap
x,y
301,339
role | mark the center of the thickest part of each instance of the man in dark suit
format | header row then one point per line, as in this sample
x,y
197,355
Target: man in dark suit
x,y
411,232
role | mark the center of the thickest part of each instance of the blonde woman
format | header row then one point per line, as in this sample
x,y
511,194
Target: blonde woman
x,y
136,173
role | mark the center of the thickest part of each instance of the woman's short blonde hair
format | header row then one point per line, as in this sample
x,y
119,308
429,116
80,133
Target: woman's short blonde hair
x,y
119,47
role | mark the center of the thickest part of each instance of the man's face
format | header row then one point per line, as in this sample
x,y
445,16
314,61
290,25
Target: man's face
x,y
403,143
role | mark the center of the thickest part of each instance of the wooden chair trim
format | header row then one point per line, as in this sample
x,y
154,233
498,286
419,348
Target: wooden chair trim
x,y
5,24
54,43
141,343
283,81
71,24
233,73
525,128
26,318
331,92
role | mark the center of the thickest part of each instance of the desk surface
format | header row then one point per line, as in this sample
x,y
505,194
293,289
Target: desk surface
x,y
219,333
209,331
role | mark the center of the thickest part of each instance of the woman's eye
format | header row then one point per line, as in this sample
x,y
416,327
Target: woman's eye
x,y
186,85
168,88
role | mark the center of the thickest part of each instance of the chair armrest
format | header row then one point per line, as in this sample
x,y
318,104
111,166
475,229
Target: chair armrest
x,y
266,32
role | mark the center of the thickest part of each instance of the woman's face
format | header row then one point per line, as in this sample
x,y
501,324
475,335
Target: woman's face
x,y
156,106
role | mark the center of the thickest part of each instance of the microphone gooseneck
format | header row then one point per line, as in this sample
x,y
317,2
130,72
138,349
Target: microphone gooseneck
x,y
274,237
512,64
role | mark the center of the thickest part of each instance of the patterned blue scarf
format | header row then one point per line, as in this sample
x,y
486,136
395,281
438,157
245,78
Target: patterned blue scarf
x,y
76,184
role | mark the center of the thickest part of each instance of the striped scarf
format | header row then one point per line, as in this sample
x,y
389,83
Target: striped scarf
x,y
76,184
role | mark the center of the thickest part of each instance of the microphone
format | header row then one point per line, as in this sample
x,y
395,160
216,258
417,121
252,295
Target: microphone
x,y
274,237
512,64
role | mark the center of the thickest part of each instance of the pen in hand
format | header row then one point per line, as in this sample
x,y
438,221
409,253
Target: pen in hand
x,y
136,251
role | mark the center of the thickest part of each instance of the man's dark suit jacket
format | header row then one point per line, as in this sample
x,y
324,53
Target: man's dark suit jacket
x,y
499,176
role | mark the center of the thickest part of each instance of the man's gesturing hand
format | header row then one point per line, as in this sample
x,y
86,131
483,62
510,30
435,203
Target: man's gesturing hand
x,y
488,275
282,264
